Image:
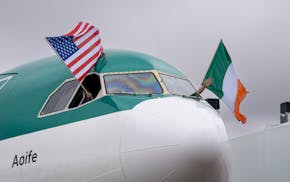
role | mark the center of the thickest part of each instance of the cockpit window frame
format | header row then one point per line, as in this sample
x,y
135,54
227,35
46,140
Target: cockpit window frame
x,y
153,72
103,89
161,80
40,115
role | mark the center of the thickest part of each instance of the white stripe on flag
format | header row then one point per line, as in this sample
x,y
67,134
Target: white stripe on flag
x,y
230,87
80,29
86,68
85,36
81,50
85,58
84,29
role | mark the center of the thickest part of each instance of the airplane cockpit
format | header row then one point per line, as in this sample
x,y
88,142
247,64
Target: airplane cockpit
x,y
70,94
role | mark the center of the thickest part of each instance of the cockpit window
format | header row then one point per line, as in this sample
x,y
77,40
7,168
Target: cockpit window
x,y
177,86
132,83
4,80
60,98
71,94
92,85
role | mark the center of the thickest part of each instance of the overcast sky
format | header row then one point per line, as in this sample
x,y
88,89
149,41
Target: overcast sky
x,y
184,33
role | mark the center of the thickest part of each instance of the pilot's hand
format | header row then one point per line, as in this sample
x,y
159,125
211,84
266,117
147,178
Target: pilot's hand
x,y
207,82
89,95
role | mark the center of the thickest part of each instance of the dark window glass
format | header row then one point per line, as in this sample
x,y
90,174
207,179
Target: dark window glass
x,y
60,98
132,83
93,86
177,86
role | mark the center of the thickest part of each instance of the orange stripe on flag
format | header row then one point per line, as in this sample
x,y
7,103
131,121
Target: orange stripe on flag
x,y
241,93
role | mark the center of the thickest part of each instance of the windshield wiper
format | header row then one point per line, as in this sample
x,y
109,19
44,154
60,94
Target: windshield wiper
x,y
196,97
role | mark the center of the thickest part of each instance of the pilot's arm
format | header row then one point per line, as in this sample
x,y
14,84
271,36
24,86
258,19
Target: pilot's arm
x,y
89,95
204,85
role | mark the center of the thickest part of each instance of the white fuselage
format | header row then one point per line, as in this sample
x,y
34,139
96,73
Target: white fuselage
x,y
158,140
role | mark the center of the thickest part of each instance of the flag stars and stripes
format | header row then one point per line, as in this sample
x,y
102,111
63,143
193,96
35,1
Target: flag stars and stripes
x,y
79,49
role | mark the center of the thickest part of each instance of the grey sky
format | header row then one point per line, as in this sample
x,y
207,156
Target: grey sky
x,y
184,33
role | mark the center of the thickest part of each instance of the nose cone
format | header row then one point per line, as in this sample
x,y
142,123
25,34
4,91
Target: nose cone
x,y
172,139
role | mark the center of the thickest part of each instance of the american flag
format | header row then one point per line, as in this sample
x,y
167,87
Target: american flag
x,y
79,49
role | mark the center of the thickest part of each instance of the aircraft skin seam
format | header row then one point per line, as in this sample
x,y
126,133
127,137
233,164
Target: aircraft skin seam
x,y
167,176
150,148
102,175
120,157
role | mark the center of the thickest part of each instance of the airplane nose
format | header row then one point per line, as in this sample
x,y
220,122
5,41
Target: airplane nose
x,y
173,139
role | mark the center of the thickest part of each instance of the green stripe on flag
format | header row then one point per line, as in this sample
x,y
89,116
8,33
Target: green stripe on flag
x,y
217,70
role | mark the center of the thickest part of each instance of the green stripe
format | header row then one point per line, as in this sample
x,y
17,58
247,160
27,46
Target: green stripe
x,y
18,122
217,69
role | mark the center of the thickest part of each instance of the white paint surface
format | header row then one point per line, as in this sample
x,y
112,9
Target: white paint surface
x,y
163,138
158,140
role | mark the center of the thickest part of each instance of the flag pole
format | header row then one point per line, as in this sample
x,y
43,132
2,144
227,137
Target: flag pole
x,y
88,94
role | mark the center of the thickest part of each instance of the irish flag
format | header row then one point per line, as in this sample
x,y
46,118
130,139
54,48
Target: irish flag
x,y
225,83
